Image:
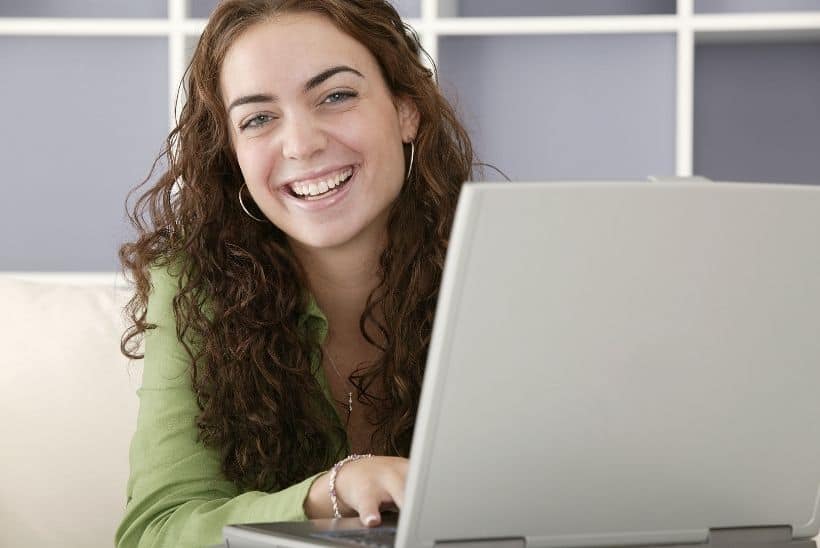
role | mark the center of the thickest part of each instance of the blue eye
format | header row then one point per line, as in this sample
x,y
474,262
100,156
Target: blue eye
x,y
256,121
339,96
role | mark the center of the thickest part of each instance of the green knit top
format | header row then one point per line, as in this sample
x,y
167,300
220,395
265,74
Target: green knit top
x,y
177,495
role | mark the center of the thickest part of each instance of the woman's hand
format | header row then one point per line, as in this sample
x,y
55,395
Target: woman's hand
x,y
364,487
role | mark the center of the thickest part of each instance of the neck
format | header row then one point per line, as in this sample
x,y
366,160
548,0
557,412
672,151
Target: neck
x,y
341,278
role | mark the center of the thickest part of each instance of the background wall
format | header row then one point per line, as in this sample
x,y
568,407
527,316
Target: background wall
x,y
549,89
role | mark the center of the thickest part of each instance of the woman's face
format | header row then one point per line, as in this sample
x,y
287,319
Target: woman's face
x,y
316,131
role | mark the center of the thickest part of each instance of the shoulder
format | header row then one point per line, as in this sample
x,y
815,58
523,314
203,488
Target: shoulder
x,y
166,358
166,279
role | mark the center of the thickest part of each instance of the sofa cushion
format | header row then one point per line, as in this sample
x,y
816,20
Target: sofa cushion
x,y
67,412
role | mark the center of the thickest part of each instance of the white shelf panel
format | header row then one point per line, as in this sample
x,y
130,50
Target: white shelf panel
x,y
84,27
772,21
684,102
757,27
176,59
539,8
194,27
554,25
760,26
201,9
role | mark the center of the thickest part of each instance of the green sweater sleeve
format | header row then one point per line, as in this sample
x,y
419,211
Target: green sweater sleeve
x,y
177,494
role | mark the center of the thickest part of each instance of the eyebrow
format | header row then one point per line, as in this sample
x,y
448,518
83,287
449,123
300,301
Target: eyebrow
x,y
309,85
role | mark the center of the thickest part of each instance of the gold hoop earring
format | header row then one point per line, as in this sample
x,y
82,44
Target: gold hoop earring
x,y
412,154
242,204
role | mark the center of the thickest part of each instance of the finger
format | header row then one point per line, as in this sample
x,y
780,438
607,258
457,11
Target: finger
x,y
393,484
404,469
369,513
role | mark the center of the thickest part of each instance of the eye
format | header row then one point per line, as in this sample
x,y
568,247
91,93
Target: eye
x,y
339,96
256,122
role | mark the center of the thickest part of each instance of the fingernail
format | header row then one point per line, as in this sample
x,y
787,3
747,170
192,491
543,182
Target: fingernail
x,y
371,520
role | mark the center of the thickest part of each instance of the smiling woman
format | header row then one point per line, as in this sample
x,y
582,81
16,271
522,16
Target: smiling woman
x,y
286,271
301,121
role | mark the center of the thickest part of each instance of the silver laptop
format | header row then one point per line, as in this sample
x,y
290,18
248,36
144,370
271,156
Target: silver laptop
x,y
614,364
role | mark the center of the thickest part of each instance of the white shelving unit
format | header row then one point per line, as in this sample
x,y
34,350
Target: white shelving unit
x,y
433,23
438,22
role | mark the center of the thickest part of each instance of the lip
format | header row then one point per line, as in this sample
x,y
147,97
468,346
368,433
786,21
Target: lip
x,y
323,203
316,175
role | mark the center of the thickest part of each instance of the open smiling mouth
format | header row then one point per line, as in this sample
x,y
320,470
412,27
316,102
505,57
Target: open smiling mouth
x,y
323,189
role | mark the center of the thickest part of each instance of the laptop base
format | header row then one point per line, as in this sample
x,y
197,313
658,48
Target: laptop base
x,y
745,537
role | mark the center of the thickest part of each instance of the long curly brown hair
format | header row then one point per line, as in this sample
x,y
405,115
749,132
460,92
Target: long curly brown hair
x,y
241,289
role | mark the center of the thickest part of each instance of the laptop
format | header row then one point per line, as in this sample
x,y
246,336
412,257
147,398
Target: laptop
x,y
614,364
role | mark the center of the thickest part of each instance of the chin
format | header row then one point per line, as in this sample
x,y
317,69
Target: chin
x,y
364,229
323,239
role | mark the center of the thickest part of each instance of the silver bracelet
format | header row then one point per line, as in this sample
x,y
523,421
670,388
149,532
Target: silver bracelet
x,y
334,499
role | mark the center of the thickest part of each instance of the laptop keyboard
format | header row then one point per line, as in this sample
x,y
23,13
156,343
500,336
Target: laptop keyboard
x,y
381,537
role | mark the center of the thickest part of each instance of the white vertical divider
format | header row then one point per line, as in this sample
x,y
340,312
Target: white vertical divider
x,y
685,90
177,13
428,31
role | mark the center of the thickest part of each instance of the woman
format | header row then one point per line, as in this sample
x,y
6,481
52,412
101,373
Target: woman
x,y
286,285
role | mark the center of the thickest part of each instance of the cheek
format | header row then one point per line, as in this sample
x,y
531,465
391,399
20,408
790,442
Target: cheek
x,y
253,164
373,131
380,147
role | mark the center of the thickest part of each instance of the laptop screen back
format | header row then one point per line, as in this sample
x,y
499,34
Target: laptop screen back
x,y
622,363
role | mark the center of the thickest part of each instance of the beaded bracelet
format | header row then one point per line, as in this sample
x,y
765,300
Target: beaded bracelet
x,y
333,473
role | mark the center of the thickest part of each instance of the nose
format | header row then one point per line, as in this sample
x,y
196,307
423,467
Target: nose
x,y
302,138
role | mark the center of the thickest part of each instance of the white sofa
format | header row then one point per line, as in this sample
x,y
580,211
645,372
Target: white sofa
x,y
68,410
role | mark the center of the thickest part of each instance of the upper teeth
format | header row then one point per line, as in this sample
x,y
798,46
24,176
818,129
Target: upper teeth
x,y
318,187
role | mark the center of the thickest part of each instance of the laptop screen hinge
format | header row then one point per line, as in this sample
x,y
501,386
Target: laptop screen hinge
x,y
507,542
779,536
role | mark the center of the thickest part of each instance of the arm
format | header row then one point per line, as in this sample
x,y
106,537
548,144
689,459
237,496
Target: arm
x,y
177,494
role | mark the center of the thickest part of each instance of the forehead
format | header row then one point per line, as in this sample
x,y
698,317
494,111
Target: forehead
x,y
284,52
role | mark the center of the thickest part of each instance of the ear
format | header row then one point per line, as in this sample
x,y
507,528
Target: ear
x,y
408,118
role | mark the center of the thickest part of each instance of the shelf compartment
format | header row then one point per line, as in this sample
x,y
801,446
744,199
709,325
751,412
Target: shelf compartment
x,y
408,9
201,9
84,9
79,136
566,107
757,112
556,8
753,6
